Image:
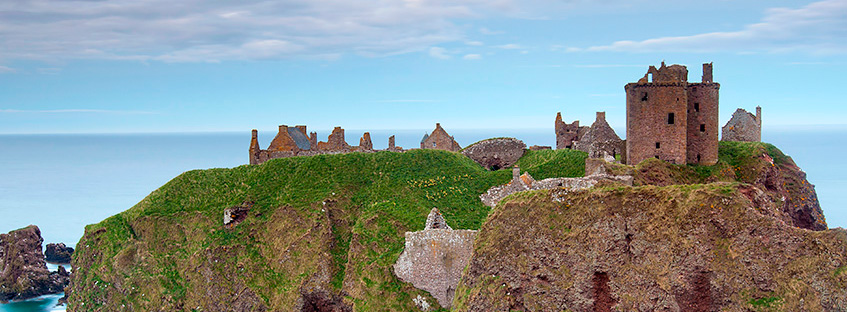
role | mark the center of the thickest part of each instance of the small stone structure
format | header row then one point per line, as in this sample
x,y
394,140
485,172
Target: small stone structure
x,y
567,134
293,141
525,182
433,259
439,139
540,148
669,118
600,139
497,153
743,126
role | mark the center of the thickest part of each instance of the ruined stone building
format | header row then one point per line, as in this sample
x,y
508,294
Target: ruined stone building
x,y
743,126
293,141
600,139
671,119
439,139
567,133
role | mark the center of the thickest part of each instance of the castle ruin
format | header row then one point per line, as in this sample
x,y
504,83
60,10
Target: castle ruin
x,y
671,119
567,133
439,139
743,126
293,141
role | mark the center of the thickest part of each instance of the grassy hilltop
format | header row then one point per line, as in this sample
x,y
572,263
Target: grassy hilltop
x,y
323,231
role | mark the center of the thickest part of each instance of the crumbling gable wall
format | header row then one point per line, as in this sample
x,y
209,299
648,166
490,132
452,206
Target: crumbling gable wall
x,y
335,142
743,126
293,141
439,139
600,139
365,143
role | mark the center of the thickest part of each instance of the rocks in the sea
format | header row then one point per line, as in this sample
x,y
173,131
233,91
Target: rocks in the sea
x,y
433,259
24,272
58,253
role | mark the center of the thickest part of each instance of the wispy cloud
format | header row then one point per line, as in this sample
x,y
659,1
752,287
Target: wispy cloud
x,y
510,46
76,111
212,31
474,43
607,65
816,28
472,57
486,31
439,53
4,69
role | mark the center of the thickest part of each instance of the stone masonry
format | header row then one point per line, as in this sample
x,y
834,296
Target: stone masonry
x,y
439,139
434,259
600,139
743,126
567,133
494,154
293,141
672,119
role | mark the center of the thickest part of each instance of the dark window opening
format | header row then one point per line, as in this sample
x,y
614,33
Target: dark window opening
x,y
696,107
698,157
658,145
670,118
644,98
702,127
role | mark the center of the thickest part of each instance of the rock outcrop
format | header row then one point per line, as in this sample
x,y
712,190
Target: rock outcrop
x,y
704,247
58,253
494,154
24,273
433,259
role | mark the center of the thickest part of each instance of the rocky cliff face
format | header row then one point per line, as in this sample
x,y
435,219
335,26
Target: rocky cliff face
x,y
24,273
58,253
676,248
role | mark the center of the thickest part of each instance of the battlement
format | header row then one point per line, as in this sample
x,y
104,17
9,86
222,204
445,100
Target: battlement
x,y
293,141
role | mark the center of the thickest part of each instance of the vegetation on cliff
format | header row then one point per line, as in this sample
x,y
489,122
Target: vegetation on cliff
x,y
322,232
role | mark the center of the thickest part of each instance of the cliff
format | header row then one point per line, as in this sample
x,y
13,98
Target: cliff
x,y
322,233
705,247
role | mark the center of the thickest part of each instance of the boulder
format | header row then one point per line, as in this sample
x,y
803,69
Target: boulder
x,y
24,272
58,253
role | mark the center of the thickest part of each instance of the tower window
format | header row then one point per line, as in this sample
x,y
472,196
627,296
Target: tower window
x,y
658,145
696,107
644,98
670,118
702,127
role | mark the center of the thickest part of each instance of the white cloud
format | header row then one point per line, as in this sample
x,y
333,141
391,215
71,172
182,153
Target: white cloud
x,y
439,53
486,31
4,69
510,46
474,43
817,28
472,57
211,31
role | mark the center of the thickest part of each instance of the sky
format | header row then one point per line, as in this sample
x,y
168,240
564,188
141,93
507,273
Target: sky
x,y
130,66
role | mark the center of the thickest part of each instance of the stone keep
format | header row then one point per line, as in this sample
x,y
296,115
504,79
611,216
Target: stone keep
x,y
671,119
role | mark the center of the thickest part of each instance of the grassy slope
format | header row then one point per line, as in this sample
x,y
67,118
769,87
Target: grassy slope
x,y
332,222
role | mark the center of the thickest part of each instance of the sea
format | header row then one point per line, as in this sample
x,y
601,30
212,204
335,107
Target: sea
x,y
63,182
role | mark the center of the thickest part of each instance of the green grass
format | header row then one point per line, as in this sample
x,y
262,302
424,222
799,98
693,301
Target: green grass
x,y
543,164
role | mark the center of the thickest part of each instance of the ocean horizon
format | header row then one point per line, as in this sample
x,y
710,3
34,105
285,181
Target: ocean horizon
x,y
63,182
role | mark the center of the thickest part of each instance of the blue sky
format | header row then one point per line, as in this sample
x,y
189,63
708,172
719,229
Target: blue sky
x,y
173,66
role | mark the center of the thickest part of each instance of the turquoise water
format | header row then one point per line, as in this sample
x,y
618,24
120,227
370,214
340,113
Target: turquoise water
x,y
63,182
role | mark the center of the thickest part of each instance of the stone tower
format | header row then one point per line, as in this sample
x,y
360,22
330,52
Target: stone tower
x,y
671,119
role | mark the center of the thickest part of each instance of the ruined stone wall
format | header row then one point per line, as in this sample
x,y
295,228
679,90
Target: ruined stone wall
x,y
365,143
439,139
702,123
600,139
567,133
335,141
254,148
494,154
743,126
651,129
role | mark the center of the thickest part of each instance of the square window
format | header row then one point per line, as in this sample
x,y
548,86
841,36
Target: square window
x,y
657,145
670,118
702,127
696,107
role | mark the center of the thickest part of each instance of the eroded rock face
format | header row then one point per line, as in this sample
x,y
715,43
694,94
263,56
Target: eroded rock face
x,y
697,248
24,273
58,253
433,259
494,154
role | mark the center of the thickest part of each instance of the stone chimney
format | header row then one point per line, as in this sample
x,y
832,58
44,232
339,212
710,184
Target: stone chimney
x,y
254,148
601,116
365,143
516,173
302,129
759,116
707,72
391,143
